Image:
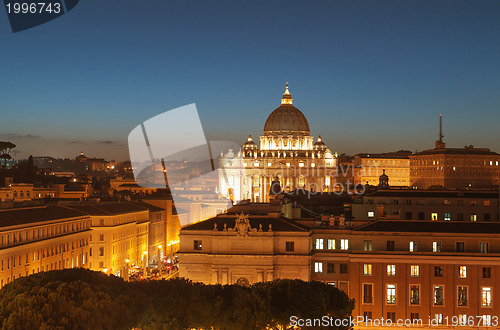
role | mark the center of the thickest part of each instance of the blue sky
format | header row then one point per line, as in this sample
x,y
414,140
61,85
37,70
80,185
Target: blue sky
x,y
370,76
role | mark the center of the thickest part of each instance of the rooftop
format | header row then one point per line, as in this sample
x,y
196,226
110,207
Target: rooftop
x,y
408,226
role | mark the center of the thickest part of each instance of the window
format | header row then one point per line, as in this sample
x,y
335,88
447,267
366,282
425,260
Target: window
x,y
367,269
483,247
367,315
438,318
344,244
486,296
413,246
101,251
460,216
101,222
460,247
318,244
390,245
414,270
414,294
487,203
473,217
318,267
487,217
343,268
391,294
436,246
101,237
408,216
438,295
486,272
391,316
371,214
462,271
421,216
414,317
197,245
290,246
330,268
447,216
367,293
368,245
434,216
486,321
462,296
438,271
331,244
462,319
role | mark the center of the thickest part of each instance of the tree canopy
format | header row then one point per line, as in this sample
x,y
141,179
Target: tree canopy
x,y
82,299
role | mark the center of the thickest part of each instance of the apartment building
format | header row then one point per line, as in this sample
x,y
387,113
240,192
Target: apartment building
x,y
401,204
39,239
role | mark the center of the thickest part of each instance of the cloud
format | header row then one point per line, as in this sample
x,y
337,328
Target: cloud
x,y
106,142
75,142
20,136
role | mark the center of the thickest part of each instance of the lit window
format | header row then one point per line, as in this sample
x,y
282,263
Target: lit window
x,y
269,164
391,270
256,164
414,294
197,245
436,246
288,164
438,318
413,246
331,244
462,296
462,271
344,244
327,181
313,165
301,164
447,216
371,214
438,295
486,296
486,321
434,216
391,294
367,269
368,245
487,203
319,244
318,267
473,217
462,319
414,270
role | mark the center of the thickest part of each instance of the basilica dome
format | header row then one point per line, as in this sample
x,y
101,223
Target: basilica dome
x,y
287,119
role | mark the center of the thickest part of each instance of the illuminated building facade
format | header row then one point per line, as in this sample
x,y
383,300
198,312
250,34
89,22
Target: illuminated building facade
x,y
119,237
286,151
369,167
394,269
39,239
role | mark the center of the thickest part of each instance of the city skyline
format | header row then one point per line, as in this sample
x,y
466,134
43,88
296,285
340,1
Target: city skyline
x,y
362,73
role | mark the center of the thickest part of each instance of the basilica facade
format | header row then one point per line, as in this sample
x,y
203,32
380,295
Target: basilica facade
x,y
287,153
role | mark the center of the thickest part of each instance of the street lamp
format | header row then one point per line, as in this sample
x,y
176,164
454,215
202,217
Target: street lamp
x,y
145,273
159,261
126,269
